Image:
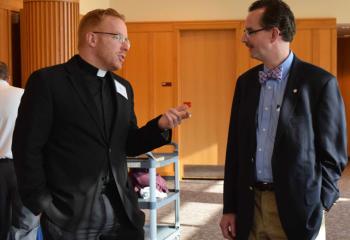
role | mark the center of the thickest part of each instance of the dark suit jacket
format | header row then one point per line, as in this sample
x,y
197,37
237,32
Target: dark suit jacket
x,y
60,148
309,152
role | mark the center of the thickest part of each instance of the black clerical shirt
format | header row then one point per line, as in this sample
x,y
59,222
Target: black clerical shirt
x,y
105,104
107,107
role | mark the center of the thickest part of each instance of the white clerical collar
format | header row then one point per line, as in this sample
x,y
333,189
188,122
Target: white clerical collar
x,y
101,73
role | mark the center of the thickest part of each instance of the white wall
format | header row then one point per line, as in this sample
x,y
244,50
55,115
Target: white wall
x,y
321,8
178,10
88,5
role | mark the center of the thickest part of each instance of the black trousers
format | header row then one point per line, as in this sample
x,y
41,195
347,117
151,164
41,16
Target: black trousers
x,y
7,189
112,222
16,221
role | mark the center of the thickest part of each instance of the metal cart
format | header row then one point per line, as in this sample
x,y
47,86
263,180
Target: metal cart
x,y
156,160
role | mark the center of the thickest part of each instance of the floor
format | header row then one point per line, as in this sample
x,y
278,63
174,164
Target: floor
x,y
201,209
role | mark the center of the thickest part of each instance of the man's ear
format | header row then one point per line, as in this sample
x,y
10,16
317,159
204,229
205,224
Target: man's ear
x,y
276,33
91,39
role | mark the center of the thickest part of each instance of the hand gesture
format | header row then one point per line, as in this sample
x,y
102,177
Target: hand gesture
x,y
174,116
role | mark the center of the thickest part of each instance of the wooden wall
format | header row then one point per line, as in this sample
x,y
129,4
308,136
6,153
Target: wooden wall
x,y
6,7
344,77
173,62
5,33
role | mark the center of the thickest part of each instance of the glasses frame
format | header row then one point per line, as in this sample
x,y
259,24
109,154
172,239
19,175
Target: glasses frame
x,y
118,36
251,32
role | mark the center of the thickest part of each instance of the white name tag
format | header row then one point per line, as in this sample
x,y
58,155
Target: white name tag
x,y
121,89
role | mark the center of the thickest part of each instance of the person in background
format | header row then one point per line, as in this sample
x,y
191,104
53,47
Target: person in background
x,y
76,125
16,221
286,147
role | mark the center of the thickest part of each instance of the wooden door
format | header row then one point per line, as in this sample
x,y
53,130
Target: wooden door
x,y
150,69
207,80
137,69
5,37
344,78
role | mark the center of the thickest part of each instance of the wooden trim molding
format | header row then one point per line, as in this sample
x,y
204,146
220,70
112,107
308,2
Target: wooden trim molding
x,y
14,5
76,1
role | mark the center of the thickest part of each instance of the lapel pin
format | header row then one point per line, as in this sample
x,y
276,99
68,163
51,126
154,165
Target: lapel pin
x,y
295,90
278,108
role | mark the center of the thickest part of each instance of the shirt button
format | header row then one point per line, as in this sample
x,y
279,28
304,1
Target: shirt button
x,y
264,129
266,109
110,150
259,149
252,160
250,188
269,87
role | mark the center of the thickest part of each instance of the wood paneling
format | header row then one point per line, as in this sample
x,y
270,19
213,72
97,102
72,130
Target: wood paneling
x,y
302,44
163,72
344,77
48,33
137,69
164,82
207,77
14,5
5,36
316,42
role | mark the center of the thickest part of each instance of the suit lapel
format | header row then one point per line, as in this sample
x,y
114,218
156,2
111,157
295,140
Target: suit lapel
x,y
256,87
79,84
254,90
290,98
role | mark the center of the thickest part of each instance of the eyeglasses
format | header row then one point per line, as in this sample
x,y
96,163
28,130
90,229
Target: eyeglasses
x,y
118,36
249,32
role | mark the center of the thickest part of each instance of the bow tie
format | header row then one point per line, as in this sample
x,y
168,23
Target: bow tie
x,y
273,74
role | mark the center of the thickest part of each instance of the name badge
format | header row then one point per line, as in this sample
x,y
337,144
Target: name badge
x,y
121,89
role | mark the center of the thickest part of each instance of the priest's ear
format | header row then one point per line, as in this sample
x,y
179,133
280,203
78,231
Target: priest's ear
x,y
91,39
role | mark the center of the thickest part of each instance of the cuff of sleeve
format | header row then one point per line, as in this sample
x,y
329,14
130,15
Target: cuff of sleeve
x,y
165,133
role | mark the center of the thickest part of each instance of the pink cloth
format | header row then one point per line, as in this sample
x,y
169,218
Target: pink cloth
x,y
140,179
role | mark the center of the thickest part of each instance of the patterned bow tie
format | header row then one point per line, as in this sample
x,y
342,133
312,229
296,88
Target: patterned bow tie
x,y
274,74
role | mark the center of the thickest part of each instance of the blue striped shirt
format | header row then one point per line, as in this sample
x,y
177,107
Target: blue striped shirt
x,y
271,96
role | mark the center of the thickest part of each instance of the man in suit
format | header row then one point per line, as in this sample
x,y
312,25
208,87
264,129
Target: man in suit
x,y
76,125
16,221
287,137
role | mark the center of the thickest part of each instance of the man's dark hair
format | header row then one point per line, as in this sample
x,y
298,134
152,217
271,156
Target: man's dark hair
x,y
4,73
277,14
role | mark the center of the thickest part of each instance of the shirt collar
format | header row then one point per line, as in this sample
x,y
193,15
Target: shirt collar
x,y
101,73
286,64
90,69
